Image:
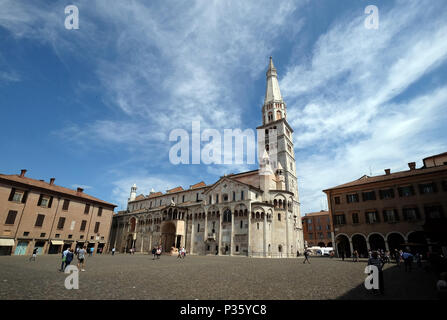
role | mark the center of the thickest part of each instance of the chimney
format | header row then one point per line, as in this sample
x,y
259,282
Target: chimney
x,y
22,172
387,171
412,165
80,190
52,181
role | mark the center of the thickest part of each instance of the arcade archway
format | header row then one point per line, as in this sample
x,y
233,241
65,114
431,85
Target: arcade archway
x,y
343,245
359,244
168,236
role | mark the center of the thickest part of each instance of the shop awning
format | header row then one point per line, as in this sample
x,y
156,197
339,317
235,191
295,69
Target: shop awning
x,y
57,242
7,242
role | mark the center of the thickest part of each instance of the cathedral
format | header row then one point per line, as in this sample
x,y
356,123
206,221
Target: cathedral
x,y
254,213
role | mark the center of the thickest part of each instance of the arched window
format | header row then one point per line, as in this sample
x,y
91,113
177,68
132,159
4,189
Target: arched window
x,y
278,115
227,216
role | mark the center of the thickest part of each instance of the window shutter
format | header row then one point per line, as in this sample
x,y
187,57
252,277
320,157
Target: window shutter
x,y
367,217
400,192
378,216
25,196
40,200
381,194
396,215
51,202
11,195
385,217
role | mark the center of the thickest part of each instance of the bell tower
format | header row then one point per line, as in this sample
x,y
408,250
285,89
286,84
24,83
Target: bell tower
x,y
274,117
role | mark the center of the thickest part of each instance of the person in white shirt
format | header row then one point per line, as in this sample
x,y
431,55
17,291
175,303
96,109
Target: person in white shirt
x,y
64,255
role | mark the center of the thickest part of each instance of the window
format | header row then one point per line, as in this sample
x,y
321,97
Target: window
x,y
340,219
320,235
242,195
87,208
57,235
350,198
197,197
82,236
444,185
311,236
83,225
18,195
66,204
217,198
198,227
433,212
97,227
410,214
92,237
210,199
329,235
237,248
406,191
386,194
26,234
355,218
44,201
183,198
427,188
241,224
337,200
42,234
372,217
370,195
60,224
390,215
70,236
258,225
39,220
309,227
309,221
160,202
225,197
99,211
319,227
279,216
11,218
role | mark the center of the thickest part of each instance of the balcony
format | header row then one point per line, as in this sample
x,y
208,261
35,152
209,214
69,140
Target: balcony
x,y
211,236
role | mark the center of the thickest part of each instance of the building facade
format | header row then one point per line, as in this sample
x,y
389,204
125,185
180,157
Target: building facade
x,y
253,213
42,215
392,211
317,229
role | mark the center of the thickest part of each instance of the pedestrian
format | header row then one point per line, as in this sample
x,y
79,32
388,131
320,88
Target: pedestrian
x,y
133,250
306,256
33,257
179,253
64,256
408,260
355,256
376,261
158,252
81,258
68,258
113,251
154,253
297,253
183,252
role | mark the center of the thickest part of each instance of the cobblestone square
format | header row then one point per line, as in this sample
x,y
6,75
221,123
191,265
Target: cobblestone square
x,y
206,277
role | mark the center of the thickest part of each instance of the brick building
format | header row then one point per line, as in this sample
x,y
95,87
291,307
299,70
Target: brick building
x,y
317,229
40,214
395,210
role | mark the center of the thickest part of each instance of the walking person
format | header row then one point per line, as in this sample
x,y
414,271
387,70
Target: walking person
x,y
408,260
306,256
183,252
154,253
179,253
81,258
113,251
33,257
64,256
158,252
376,261
69,258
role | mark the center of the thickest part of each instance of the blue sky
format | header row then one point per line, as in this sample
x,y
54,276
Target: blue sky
x,y
94,107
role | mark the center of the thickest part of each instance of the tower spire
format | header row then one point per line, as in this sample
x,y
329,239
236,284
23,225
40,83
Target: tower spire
x,y
274,107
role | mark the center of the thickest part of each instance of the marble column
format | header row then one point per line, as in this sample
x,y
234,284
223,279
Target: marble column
x,y
249,231
265,235
205,235
192,233
232,233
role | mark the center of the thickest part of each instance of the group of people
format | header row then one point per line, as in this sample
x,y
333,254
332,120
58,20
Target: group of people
x,y
181,253
68,255
156,252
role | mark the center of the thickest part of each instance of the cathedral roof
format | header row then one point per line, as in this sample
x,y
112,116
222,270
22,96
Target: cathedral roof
x,y
177,189
198,185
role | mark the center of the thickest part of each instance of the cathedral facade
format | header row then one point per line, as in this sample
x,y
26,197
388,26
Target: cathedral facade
x,y
254,213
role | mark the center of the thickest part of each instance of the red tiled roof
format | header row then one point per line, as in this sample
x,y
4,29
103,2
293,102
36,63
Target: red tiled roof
x,y
139,197
397,175
174,190
155,194
55,188
319,213
198,185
